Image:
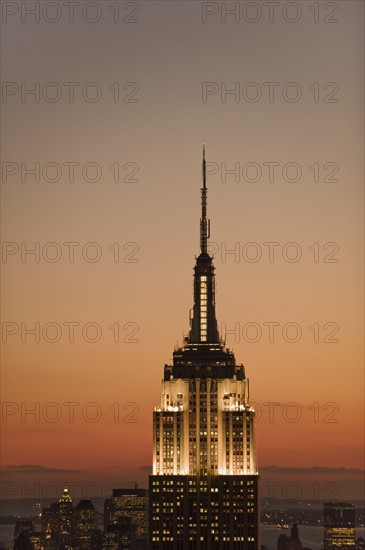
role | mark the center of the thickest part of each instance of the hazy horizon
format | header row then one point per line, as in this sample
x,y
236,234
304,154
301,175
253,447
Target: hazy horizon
x,y
114,205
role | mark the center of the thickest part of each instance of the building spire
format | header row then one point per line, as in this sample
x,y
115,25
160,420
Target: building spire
x,y
203,322
204,222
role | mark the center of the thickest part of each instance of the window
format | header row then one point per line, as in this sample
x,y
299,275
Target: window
x,y
203,308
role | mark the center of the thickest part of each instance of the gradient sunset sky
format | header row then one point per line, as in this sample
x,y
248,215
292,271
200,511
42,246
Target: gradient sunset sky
x,y
169,52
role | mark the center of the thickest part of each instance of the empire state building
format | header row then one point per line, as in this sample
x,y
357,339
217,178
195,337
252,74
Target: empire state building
x,y
204,485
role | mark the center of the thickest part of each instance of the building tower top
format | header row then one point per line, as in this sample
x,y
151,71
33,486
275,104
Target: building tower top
x,y
204,222
203,322
203,353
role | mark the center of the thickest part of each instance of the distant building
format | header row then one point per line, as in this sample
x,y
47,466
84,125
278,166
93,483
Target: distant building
x,y
67,528
120,535
22,542
339,526
85,526
57,524
127,533
111,537
65,515
50,525
292,542
23,526
22,535
127,510
36,538
108,512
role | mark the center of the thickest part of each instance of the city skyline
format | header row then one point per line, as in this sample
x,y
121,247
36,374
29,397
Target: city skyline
x,y
123,524
153,219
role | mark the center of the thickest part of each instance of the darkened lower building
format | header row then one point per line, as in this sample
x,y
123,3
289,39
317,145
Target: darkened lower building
x,y
190,512
339,526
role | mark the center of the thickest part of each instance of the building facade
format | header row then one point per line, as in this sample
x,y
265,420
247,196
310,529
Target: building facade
x,y
130,504
339,526
204,485
85,526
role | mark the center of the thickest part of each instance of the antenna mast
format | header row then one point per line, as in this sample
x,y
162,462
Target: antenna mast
x,y
204,222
